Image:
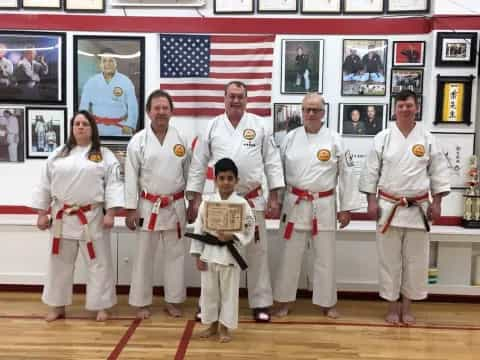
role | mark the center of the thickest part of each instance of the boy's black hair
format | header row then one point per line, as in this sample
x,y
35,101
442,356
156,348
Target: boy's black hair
x,y
224,165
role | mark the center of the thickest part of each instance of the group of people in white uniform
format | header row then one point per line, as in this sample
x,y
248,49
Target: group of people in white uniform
x,y
310,188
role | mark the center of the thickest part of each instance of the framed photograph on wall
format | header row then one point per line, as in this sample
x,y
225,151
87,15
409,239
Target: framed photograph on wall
x,y
233,7
321,7
408,6
109,78
364,67
85,5
454,98
302,66
12,130
456,49
458,148
361,119
408,53
46,130
288,116
120,152
277,6
418,116
363,6
10,4
42,4
407,79
33,67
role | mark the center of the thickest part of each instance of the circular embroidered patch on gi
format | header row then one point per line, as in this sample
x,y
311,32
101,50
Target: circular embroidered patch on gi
x,y
117,91
249,134
418,150
179,150
95,157
323,155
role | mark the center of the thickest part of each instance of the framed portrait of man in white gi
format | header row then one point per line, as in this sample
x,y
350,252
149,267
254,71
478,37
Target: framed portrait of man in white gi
x,y
109,78
45,130
302,66
12,130
32,67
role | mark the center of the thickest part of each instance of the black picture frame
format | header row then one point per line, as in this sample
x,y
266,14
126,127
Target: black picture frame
x,y
454,92
36,73
9,152
69,8
113,104
406,79
316,7
417,10
278,9
43,7
348,8
217,8
356,80
408,53
302,76
418,116
360,112
46,129
456,49
14,6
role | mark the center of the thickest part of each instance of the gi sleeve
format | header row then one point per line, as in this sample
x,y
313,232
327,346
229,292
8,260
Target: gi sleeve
x,y
132,171
40,68
438,169
114,189
200,158
370,174
246,236
272,163
347,182
86,99
196,247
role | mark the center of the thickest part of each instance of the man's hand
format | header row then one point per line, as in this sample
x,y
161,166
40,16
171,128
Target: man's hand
x,y
43,221
373,210
193,205
201,265
273,205
434,210
109,219
131,221
344,218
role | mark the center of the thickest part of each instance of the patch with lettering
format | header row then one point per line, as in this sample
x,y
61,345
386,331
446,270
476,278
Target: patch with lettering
x,y
117,91
418,150
349,158
179,150
96,157
323,155
249,134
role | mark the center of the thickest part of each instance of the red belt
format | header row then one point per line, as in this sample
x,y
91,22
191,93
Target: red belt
x,y
403,202
109,121
306,195
72,210
159,202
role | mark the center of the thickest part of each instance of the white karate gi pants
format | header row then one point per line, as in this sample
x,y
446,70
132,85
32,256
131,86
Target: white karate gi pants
x,y
403,263
219,295
141,288
101,293
12,148
288,273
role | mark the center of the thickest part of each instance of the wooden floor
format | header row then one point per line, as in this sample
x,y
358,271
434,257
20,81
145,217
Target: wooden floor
x,y
444,332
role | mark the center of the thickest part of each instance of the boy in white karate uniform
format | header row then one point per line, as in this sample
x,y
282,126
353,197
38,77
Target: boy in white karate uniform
x,y
220,272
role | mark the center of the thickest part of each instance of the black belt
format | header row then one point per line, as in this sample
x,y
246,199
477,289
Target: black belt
x,y
213,240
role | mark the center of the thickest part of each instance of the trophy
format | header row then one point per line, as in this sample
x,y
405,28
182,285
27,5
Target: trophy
x,y
471,198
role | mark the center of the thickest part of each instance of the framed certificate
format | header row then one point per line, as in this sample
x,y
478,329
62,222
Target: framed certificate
x,y
454,95
273,6
224,216
10,4
233,7
362,6
42,4
408,6
321,6
456,49
85,5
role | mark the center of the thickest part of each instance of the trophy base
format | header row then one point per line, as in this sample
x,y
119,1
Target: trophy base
x,y
471,223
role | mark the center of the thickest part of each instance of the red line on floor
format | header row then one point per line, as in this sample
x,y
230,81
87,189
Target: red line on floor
x,y
124,340
183,345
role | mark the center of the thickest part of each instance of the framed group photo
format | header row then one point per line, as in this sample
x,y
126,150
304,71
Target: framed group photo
x,y
321,7
407,79
85,5
363,6
408,53
361,119
408,6
454,97
233,7
46,130
42,4
12,129
364,67
302,66
277,6
418,115
456,49
287,117
109,78
32,68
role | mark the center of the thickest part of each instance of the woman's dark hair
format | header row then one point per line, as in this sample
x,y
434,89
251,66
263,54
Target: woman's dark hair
x,y
71,142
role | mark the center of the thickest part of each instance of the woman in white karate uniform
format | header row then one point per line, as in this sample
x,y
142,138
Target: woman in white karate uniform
x,y
79,180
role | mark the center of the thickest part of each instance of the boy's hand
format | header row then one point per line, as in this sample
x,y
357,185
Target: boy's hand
x,y
201,265
225,236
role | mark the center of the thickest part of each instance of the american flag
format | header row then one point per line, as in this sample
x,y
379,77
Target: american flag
x,y
195,68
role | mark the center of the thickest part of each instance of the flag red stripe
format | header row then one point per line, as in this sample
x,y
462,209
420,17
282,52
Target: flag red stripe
x,y
241,75
264,51
193,86
214,112
241,63
218,99
241,39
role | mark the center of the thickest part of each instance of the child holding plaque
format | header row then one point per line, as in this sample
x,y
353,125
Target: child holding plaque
x,y
219,266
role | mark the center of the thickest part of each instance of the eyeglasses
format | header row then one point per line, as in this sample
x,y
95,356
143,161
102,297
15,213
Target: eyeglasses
x,y
313,110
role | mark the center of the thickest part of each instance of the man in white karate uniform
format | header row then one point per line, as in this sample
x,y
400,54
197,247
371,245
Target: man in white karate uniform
x,y
155,176
242,137
315,161
403,170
